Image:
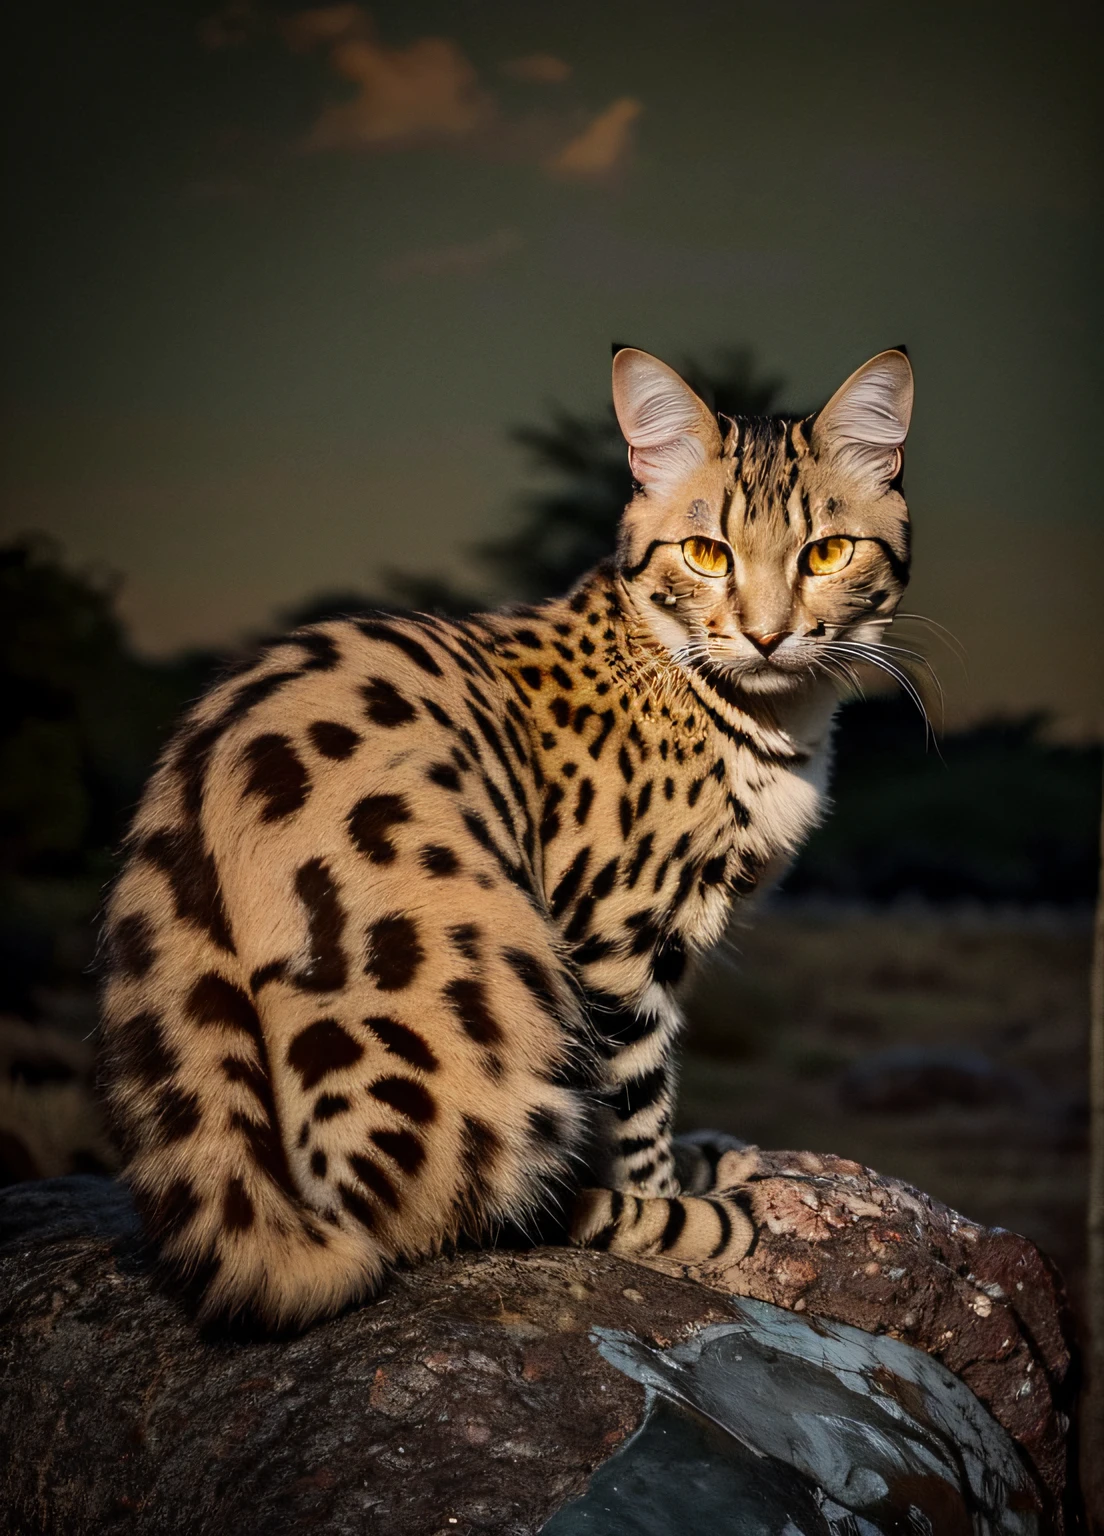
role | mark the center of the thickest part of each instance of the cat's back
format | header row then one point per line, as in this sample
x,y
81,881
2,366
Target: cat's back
x,y
353,743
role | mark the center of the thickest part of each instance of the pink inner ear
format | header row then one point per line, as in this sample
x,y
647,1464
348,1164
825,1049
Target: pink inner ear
x,y
663,466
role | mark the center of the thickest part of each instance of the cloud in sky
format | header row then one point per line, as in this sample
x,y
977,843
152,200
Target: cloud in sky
x,y
603,146
537,69
460,259
427,90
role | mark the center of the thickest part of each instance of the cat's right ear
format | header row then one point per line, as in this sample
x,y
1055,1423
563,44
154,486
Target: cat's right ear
x,y
670,432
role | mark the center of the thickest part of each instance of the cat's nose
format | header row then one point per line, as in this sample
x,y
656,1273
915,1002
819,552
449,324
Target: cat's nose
x,y
766,643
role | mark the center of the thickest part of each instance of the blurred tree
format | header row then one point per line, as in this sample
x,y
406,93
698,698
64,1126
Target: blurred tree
x,y
81,720
570,523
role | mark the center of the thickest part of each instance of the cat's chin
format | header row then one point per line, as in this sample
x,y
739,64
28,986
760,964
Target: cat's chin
x,y
769,680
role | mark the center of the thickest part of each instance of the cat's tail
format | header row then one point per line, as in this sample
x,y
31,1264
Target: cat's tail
x,y
282,1166
207,1162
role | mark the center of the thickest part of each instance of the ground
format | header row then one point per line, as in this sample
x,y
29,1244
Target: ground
x,y
948,1048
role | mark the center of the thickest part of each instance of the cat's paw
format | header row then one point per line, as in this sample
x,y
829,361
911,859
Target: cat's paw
x,y
706,1160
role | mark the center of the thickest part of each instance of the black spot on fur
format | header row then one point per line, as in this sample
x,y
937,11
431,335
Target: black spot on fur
x,y
618,1027
669,962
561,711
637,1094
139,1050
466,936
176,1115
534,977
319,1163
625,813
357,1206
395,953
725,1222
531,676
333,740
375,629
560,676
403,1042
713,870
236,1070
403,1147
639,859
607,718
238,1213
384,704
267,1149
443,774
322,654
167,1213
584,801
467,998
370,821
214,1000
550,817
591,950
569,882
193,880
328,1106
276,775
672,1230
130,945
480,1148
325,970
372,1176
274,970
323,1047
439,861
545,1125
407,1096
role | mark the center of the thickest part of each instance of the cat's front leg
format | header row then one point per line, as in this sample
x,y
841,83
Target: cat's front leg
x,y
635,1120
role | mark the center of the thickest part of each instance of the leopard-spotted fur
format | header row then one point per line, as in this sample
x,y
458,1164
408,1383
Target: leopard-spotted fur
x,y
394,955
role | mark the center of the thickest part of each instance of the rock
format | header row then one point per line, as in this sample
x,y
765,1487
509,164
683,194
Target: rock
x,y
472,1395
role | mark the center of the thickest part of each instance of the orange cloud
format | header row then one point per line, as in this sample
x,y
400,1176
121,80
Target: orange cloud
x,y
602,147
428,90
537,68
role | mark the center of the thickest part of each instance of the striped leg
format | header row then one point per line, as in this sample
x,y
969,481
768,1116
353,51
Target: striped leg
x,y
637,1131
692,1229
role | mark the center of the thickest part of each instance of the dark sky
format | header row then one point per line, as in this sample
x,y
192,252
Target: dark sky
x,y
281,279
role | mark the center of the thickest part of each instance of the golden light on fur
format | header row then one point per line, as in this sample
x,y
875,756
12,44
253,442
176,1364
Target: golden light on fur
x,y
827,556
708,557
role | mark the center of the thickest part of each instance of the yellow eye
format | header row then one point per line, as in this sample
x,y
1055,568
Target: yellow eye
x,y
827,556
707,556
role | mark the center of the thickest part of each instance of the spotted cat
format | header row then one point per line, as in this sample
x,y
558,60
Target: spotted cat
x,y
393,959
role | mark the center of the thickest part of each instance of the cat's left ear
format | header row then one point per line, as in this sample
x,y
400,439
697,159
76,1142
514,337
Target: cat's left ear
x,y
867,419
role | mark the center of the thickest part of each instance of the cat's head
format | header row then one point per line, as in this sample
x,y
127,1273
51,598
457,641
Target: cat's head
x,y
769,548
